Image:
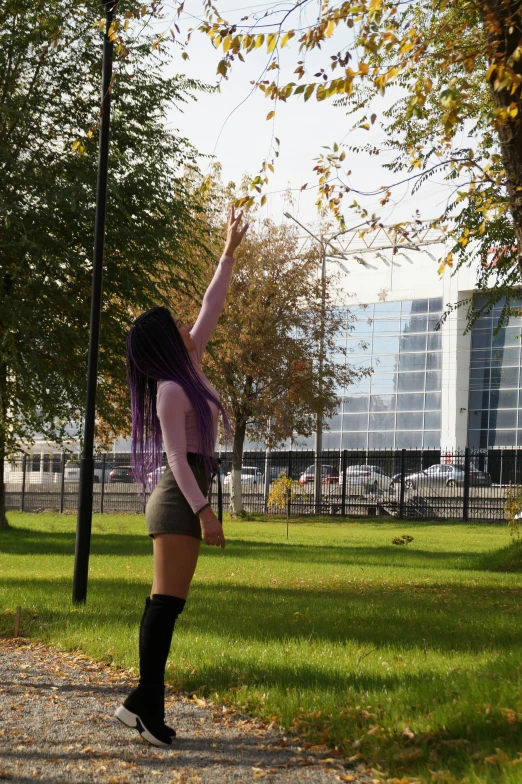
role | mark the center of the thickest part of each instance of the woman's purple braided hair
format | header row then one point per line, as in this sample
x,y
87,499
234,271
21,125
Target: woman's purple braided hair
x,y
156,352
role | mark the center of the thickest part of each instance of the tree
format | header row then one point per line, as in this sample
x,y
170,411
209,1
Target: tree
x,y
453,71
50,65
264,354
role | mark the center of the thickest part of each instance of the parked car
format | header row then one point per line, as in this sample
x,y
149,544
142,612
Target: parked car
x,y
446,475
72,471
329,475
157,473
250,475
479,478
395,481
365,479
122,474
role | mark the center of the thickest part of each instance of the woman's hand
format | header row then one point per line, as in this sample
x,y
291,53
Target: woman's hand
x,y
234,233
211,528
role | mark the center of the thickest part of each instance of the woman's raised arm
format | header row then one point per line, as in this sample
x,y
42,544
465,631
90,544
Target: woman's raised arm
x,y
215,295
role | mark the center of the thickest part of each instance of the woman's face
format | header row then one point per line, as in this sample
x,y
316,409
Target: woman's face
x,y
185,334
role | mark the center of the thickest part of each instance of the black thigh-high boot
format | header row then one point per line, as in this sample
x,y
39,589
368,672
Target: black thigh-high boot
x,y
144,708
171,731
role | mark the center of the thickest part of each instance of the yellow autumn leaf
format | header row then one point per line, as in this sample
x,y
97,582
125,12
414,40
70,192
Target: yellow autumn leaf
x,y
287,36
270,115
271,41
330,27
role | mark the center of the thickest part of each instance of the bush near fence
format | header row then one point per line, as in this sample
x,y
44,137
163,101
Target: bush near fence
x,y
390,491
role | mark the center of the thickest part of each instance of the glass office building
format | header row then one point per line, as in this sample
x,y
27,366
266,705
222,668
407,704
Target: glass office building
x,y
495,399
399,405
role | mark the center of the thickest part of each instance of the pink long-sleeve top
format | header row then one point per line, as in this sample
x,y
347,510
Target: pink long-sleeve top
x,y
176,415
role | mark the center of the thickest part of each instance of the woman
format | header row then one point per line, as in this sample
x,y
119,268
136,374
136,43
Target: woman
x,y
173,402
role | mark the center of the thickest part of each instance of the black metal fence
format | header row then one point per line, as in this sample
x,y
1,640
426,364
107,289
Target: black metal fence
x,y
423,484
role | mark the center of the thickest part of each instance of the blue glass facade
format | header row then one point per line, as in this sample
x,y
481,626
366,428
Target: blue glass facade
x,y
495,400
399,405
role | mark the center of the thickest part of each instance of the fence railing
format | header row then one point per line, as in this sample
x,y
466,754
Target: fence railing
x,y
407,484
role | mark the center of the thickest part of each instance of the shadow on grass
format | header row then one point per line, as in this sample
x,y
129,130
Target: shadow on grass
x,y
506,559
23,541
441,618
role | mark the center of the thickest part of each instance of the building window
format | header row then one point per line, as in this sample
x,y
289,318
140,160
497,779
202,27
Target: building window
x,y
389,409
495,403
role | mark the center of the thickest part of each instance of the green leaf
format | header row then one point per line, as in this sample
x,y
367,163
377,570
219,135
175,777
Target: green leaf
x,y
309,91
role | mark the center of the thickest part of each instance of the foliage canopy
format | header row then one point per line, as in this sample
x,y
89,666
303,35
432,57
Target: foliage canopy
x,y
50,67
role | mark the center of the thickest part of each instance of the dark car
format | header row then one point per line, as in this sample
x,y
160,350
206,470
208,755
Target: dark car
x,y
395,482
479,478
123,474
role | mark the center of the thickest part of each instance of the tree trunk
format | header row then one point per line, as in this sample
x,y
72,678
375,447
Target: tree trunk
x,y
236,496
3,519
6,288
503,34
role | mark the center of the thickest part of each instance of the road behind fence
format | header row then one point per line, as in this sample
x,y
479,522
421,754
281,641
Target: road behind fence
x,y
424,484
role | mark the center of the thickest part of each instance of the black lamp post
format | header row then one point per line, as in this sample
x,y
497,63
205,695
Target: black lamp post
x,y
84,521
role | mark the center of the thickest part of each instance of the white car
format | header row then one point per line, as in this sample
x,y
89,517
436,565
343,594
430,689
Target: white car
x,y
72,471
249,476
158,473
361,479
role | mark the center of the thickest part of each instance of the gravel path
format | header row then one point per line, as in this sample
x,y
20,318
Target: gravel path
x,y
57,725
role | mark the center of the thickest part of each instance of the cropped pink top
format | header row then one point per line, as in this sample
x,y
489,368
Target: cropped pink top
x,y
176,414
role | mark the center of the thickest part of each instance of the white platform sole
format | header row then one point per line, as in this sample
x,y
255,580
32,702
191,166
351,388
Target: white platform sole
x,y
133,721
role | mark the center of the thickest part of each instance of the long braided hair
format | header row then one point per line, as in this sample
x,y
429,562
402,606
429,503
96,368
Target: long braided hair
x,y
156,352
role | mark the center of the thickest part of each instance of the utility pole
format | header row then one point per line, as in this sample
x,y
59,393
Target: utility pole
x,y
84,520
323,243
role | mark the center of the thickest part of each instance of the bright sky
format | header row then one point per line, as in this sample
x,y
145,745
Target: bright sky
x,y
232,126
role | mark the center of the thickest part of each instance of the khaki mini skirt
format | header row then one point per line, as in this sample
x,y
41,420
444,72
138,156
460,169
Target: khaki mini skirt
x,y
168,511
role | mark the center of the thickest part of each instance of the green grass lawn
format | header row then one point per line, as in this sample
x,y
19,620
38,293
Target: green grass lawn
x,y
410,656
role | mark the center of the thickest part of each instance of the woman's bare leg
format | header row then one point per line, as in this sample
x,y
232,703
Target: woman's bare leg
x,y
175,560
